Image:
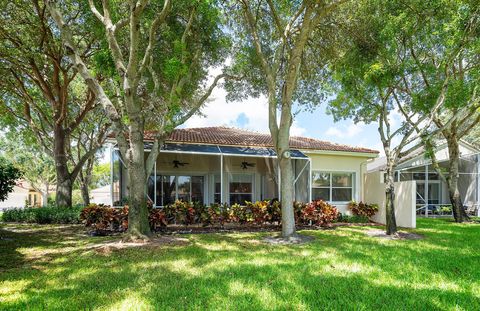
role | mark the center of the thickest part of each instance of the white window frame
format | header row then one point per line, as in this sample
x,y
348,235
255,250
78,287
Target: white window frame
x,y
251,175
330,187
176,175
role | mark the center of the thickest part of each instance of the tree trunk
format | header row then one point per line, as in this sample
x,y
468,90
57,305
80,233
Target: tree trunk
x,y
85,193
459,213
391,223
138,226
64,182
44,198
286,189
63,197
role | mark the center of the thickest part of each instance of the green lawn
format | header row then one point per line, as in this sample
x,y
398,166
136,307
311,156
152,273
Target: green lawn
x,y
58,267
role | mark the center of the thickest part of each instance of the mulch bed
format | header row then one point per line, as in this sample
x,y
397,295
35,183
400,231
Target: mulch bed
x,y
235,227
296,239
156,241
400,235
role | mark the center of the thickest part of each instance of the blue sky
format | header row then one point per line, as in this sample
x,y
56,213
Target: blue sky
x,y
252,114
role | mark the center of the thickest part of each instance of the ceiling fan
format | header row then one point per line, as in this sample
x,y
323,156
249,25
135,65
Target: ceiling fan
x,y
177,164
246,165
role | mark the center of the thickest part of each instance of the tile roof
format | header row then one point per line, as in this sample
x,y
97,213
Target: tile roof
x,y
239,137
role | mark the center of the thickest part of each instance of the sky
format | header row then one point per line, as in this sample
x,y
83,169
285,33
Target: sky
x,y
252,114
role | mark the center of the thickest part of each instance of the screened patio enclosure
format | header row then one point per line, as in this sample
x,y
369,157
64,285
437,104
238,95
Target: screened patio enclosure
x,y
213,174
432,191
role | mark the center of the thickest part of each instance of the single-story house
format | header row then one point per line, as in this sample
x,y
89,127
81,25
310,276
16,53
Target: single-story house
x,y
101,195
431,190
229,165
23,194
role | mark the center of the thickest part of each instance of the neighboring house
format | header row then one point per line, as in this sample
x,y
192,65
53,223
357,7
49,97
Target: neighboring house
x,y
23,194
228,165
101,195
431,191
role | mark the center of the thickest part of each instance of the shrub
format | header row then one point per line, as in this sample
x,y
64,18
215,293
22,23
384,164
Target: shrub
x,y
318,213
275,210
298,208
446,209
43,215
259,212
157,219
219,214
105,218
363,209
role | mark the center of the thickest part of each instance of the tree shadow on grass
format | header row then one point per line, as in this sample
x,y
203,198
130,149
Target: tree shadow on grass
x,y
342,269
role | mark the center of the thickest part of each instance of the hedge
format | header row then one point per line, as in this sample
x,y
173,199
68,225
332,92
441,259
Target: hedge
x,y
43,215
108,219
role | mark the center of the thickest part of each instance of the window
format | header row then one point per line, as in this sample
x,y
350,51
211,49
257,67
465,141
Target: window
x,y
241,188
334,187
184,188
217,191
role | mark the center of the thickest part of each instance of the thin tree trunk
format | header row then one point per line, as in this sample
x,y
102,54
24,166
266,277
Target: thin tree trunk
x,y
453,192
391,223
44,198
85,193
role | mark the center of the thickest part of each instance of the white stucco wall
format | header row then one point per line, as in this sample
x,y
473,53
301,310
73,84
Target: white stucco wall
x,y
405,192
16,198
339,162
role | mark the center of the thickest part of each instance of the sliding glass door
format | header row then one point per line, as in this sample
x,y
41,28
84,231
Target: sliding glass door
x,y
170,188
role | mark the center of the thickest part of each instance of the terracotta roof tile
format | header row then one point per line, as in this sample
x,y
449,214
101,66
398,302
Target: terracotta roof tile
x,y
240,137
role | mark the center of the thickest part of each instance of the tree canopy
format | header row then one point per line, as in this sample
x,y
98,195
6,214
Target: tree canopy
x,y
9,175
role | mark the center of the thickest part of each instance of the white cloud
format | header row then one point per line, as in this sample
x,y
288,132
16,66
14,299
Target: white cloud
x,y
253,112
343,131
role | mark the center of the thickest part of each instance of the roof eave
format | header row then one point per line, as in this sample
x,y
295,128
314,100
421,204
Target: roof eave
x,y
346,153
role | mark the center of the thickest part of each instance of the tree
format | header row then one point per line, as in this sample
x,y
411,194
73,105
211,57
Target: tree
x,y
277,42
101,175
442,48
40,88
86,139
8,177
368,73
160,53
473,137
37,167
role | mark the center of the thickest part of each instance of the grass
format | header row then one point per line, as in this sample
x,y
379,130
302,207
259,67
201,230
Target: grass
x,y
56,267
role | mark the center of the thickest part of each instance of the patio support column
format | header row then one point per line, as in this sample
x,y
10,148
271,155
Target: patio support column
x,y
478,185
155,184
222,200
426,190
111,175
310,180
